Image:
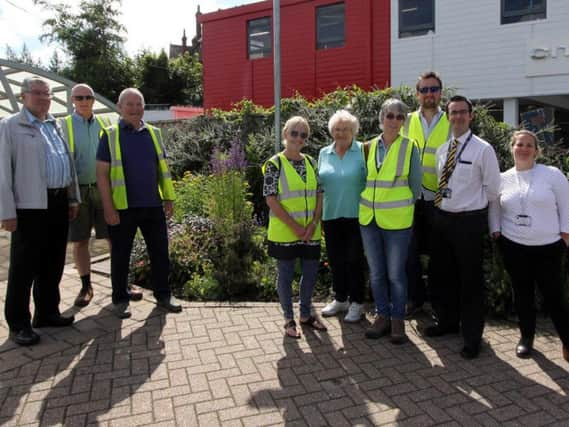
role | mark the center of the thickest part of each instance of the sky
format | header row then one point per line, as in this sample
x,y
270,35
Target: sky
x,y
149,26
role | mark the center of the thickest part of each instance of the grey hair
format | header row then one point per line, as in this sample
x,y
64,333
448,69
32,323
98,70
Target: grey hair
x,y
128,91
28,82
293,121
85,86
392,105
344,116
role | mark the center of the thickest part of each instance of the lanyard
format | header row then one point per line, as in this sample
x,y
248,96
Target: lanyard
x,y
459,157
524,194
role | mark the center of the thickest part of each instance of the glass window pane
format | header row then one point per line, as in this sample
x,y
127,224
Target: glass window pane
x,y
259,38
416,17
522,10
330,29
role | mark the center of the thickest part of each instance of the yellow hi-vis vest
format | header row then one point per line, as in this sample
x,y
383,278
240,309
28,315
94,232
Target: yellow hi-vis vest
x,y
387,195
68,129
118,187
440,134
298,198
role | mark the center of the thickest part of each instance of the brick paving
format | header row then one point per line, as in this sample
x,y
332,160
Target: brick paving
x,y
229,365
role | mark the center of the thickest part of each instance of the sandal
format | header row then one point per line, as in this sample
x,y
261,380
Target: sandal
x,y
290,329
313,323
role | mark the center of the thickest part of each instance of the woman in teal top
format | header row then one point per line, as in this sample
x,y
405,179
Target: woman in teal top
x,y
342,174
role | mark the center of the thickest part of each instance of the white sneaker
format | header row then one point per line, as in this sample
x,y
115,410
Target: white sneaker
x,y
355,313
335,307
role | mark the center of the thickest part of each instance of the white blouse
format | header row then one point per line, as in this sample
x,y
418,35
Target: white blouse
x,y
532,207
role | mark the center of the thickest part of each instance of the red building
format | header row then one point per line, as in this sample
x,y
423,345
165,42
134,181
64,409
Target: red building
x,y
325,44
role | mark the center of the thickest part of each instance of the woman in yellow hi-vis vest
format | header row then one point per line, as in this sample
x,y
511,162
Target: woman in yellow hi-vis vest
x,y
291,190
386,217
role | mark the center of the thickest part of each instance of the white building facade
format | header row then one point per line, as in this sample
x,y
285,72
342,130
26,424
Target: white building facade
x,y
513,53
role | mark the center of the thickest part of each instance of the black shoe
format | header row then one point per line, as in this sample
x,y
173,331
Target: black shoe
x,y
25,336
133,293
170,304
470,352
524,347
437,330
413,308
55,321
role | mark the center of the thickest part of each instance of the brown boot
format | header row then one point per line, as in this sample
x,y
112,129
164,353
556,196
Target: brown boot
x,y
566,354
379,328
85,296
398,331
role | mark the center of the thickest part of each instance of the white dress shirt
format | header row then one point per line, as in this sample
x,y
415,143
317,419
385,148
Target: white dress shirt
x,y
541,193
475,180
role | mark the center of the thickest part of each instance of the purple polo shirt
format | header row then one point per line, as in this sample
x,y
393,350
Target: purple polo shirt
x,y
140,164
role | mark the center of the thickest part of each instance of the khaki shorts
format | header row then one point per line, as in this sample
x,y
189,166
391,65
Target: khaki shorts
x,y
90,216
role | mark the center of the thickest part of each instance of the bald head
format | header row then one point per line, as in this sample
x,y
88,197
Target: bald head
x,y
83,98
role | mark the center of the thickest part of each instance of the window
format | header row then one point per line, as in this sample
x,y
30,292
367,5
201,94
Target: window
x,y
416,17
522,10
259,38
330,30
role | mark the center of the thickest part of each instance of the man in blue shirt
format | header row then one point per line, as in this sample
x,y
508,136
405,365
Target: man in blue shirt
x,y
136,192
81,131
38,196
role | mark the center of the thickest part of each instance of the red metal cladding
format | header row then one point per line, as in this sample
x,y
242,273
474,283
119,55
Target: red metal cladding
x,y
229,75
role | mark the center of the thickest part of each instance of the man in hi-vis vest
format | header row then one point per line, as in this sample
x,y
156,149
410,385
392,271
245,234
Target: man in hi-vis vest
x,y
81,131
428,126
137,192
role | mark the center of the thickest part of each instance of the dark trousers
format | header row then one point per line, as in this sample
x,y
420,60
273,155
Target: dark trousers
x,y
345,252
541,265
37,257
420,244
457,285
152,224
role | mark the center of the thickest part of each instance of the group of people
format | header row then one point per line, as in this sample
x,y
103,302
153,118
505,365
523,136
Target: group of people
x,y
426,185
59,180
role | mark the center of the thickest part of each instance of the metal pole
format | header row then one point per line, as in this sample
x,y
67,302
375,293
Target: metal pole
x,y
277,71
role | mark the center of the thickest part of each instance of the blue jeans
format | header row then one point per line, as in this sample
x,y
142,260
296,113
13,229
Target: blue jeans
x,y
285,268
386,253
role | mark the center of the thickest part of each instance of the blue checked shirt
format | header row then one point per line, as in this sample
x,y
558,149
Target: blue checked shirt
x,y
58,169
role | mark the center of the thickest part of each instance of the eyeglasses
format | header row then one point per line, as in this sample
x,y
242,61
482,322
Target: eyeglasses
x,y
427,89
295,134
391,116
83,97
45,93
454,113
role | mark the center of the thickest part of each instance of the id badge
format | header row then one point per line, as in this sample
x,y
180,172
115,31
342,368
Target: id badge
x,y
523,220
446,193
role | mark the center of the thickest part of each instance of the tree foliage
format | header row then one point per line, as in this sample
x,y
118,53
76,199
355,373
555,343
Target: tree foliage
x,y
175,81
92,38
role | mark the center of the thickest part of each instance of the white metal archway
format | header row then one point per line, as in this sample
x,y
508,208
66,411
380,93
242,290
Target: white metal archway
x,y
12,74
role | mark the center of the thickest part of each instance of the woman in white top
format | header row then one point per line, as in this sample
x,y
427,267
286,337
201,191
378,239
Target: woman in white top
x,y
530,220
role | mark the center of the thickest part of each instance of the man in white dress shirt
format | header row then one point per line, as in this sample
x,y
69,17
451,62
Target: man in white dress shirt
x,y
469,178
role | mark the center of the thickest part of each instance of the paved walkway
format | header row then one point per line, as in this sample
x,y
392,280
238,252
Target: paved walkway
x,y
228,364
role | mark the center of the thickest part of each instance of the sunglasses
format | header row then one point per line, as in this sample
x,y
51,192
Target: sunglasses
x,y
427,89
391,116
83,97
295,134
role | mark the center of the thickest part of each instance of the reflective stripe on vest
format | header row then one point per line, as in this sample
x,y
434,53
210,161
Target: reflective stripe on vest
x,y
387,196
68,128
118,187
414,130
297,197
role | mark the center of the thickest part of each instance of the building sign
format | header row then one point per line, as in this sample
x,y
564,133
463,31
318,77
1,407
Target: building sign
x,y
547,57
